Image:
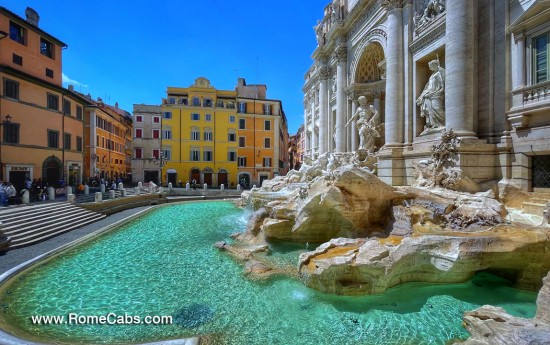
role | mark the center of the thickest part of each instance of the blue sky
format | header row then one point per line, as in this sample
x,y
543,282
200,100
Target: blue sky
x,y
130,51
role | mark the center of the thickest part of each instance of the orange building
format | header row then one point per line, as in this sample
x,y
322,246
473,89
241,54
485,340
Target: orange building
x,y
108,141
262,135
42,123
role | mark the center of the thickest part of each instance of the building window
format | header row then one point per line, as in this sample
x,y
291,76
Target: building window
x,y
46,48
17,33
267,125
11,133
11,89
183,101
171,100
166,134
195,134
207,135
53,139
207,156
232,156
138,153
139,133
231,137
49,73
196,102
540,58
156,153
207,102
267,109
139,118
156,133
167,114
67,141
242,107
242,162
242,123
79,144
267,162
17,59
208,117
53,102
167,153
242,142
156,119
232,118
79,112
195,117
195,155
66,107
267,143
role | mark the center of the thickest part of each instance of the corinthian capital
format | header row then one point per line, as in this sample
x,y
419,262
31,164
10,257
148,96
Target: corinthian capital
x,y
392,4
341,54
323,72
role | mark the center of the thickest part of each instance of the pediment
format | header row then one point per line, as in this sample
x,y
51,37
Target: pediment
x,y
538,13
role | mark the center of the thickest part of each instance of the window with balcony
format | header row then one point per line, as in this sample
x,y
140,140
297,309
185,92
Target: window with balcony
x,y
11,89
18,33
46,48
540,58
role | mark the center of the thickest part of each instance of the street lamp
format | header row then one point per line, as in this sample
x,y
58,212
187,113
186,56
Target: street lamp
x,y
161,162
4,122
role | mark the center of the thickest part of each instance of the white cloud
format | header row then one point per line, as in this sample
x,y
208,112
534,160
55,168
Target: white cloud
x,y
69,81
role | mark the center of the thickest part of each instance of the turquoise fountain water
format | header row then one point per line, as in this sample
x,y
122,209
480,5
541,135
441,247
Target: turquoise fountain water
x,y
164,264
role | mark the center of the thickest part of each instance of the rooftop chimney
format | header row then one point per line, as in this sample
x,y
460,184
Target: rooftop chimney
x,y
32,16
116,105
71,88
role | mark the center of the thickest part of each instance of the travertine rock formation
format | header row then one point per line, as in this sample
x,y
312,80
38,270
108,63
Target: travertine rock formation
x,y
370,266
493,326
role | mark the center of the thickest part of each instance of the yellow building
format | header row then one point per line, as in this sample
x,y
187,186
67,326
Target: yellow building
x,y
199,135
51,148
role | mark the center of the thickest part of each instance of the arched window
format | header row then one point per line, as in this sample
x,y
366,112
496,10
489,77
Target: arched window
x,y
367,69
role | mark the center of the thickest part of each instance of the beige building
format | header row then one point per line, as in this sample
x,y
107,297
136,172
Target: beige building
x,y
146,143
480,68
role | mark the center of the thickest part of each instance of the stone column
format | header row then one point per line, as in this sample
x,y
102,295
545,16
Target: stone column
x,y
306,126
394,80
461,42
376,102
323,110
341,99
518,63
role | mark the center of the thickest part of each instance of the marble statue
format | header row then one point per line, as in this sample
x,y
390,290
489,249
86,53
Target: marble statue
x,y
432,99
366,120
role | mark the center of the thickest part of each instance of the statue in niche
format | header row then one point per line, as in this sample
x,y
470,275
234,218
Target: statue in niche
x,y
319,32
432,99
366,120
334,83
335,14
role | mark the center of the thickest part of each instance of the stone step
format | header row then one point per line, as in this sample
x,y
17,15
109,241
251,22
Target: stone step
x,y
539,200
533,208
22,242
26,209
70,213
25,214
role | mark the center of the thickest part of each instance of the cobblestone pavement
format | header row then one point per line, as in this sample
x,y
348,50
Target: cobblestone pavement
x,y
15,257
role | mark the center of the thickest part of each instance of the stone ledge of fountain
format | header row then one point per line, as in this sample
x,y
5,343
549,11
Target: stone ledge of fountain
x,y
489,325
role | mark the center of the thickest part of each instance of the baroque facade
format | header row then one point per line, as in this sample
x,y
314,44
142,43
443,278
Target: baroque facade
x,y
479,68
